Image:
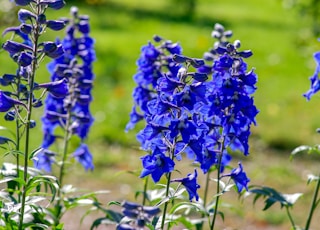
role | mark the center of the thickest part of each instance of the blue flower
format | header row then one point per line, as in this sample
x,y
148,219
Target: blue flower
x,y
84,157
44,159
156,164
6,102
191,185
58,89
239,177
315,82
23,2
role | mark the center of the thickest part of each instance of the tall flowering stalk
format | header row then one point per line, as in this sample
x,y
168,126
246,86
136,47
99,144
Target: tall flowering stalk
x,y
70,112
195,108
28,54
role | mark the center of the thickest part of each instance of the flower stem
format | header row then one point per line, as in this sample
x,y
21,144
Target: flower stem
x,y
218,186
34,66
166,203
145,191
290,218
313,204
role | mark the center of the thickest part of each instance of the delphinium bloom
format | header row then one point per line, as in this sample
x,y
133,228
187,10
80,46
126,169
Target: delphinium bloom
x,y
231,109
239,177
73,71
152,63
191,185
315,83
167,98
136,216
25,49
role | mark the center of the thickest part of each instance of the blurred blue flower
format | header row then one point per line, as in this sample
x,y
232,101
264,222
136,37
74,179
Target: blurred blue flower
x,y
191,185
239,177
6,102
315,82
84,157
156,164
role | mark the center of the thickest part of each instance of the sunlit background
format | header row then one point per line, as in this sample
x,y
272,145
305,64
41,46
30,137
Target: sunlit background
x,y
282,36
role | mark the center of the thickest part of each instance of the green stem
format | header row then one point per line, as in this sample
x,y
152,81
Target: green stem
x,y
217,195
290,218
218,186
166,203
313,204
29,112
66,139
145,191
65,147
206,189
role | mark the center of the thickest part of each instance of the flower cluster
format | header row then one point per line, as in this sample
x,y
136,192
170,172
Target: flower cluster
x,y
136,216
27,51
202,113
69,108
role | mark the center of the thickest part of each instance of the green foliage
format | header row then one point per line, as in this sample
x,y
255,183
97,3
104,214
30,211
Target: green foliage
x,y
272,196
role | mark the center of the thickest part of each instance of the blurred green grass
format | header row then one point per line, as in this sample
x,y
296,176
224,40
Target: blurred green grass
x,y
282,44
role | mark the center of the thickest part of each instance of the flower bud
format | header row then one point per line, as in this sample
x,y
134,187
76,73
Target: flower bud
x,y
24,59
15,47
6,102
130,205
157,38
179,58
22,2
54,4
84,26
10,115
151,211
24,15
196,63
42,18
58,89
25,28
55,24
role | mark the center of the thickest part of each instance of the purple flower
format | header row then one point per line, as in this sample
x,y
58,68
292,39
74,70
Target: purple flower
x,y
156,164
84,157
191,185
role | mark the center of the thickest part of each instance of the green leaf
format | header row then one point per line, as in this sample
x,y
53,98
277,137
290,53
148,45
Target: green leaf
x,y
35,152
292,198
271,197
301,149
188,206
312,178
101,221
